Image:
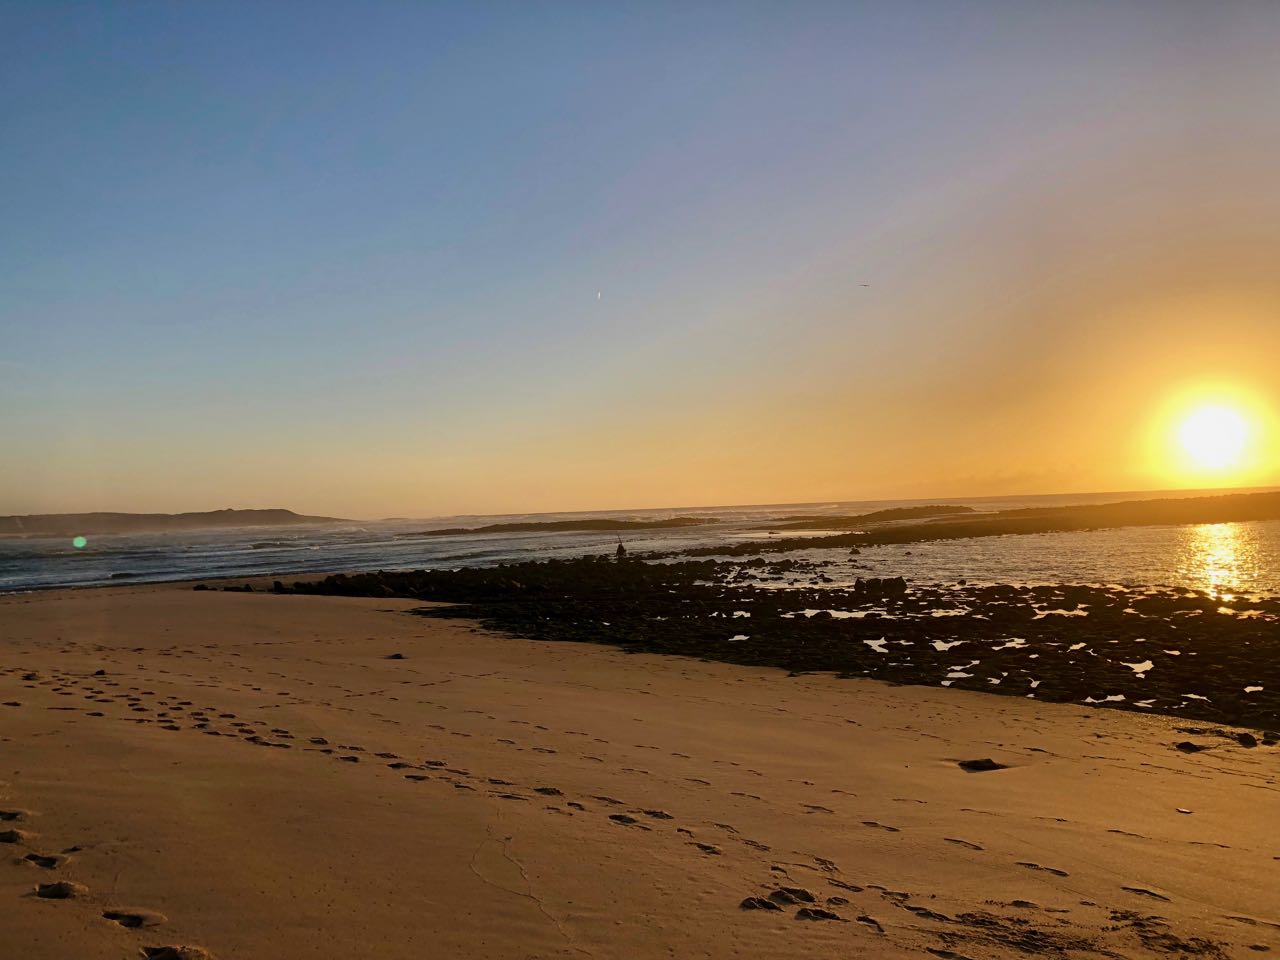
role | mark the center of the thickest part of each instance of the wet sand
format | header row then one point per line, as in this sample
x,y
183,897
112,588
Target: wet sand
x,y
309,776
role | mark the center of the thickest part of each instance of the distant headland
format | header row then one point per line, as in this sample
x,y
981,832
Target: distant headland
x,y
89,524
550,526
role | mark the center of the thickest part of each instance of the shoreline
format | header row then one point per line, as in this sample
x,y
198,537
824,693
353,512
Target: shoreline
x,y
1176,652
485,796
884,531
1189,511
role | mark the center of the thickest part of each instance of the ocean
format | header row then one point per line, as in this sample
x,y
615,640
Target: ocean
x,y
1223,559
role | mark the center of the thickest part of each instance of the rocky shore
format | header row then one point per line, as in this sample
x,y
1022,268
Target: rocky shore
x,y
1153,650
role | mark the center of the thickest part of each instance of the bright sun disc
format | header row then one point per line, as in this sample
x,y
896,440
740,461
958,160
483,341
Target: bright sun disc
x,y
1214,437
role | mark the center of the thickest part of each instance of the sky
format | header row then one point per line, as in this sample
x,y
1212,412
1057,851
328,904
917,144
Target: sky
x,y
418,259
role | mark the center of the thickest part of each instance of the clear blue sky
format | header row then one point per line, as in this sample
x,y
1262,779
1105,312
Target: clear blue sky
x,y
419,258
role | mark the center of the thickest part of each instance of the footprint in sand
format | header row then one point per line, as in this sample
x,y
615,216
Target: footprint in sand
x,y
843,885
791,896
45,862
12,815
61,890
1036,866
881,826
15,836
1144,892
964,843
176,953
135,918
926,913
817,913
982,765
627,821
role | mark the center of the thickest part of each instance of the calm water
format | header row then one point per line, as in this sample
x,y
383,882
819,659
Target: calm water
x,y
1238,558
1222,559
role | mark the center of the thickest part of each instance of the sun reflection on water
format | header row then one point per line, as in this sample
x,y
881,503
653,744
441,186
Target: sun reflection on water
x,y
1219,557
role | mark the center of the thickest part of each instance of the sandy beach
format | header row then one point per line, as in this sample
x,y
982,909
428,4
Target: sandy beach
x,y
261,776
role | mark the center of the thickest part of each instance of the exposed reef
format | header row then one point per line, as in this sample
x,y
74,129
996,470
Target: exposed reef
x,y
1148,649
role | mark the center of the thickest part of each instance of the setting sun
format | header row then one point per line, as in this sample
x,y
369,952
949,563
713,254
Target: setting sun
x,y
1214,437
1216,433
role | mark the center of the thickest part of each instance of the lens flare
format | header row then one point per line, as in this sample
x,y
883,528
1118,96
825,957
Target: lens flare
x,y
79,542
